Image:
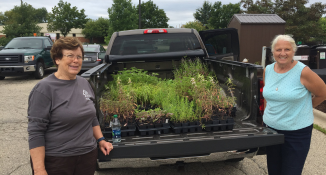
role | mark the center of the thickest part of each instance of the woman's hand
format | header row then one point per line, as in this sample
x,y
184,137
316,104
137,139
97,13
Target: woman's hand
x,y
105,147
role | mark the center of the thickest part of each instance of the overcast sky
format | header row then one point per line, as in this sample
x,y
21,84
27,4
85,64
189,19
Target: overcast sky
x,y
179,11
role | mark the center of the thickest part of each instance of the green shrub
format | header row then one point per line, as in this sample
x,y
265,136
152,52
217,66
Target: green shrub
x,y
4,41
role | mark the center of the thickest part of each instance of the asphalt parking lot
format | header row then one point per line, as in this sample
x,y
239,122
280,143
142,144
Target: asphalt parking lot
x,y
14,153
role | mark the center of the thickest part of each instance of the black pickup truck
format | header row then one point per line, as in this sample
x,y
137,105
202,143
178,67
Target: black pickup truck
x,y
26,55
160,51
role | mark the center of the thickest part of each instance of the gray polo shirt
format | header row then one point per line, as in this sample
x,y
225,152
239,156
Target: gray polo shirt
x,y
61,116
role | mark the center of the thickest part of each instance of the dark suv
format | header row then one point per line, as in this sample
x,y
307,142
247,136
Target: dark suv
x,y
26,55
91,59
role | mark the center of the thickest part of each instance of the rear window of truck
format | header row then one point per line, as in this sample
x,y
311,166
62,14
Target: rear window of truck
x,y
154,43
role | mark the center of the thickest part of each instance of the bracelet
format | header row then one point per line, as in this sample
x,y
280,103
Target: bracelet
x,y
100,139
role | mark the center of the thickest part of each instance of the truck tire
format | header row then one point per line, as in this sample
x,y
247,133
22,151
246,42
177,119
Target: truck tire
x,y
2,77
39,70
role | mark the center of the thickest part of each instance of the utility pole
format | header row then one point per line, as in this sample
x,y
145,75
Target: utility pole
x,y
139,15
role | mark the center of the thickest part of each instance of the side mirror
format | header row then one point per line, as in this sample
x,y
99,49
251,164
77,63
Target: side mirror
x,y
48,48
107,59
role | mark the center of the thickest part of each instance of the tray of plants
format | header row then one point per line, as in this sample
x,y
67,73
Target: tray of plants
x,y
221,120
191,102
152,121
186,127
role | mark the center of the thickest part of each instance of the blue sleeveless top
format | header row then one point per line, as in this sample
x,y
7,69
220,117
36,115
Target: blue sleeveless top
x,y
289,103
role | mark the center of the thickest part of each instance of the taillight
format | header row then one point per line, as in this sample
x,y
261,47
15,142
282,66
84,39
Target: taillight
x,y
148,31
97,59
261,98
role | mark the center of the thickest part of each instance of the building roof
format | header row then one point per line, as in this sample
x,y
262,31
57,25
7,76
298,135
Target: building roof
x,y
258,18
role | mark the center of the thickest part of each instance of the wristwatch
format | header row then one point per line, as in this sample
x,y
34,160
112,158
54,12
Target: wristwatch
x,y
100,139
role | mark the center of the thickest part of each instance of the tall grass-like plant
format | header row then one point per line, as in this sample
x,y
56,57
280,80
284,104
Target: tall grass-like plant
x,y
118,101
137,76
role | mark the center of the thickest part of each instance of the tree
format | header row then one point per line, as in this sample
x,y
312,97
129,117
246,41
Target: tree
x,y
221,15
96,28
301,21
152,16
2,18
259,7
195,25
8,17
20,21
64,17
321,37
322,23
122,16
203,14
41,14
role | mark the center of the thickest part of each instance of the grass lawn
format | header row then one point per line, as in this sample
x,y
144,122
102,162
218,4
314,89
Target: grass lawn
x,y
323,130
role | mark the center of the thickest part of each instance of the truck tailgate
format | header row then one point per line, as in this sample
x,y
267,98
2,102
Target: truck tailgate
x,y
192,144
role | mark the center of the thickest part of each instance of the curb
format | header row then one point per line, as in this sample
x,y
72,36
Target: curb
x,y
319,118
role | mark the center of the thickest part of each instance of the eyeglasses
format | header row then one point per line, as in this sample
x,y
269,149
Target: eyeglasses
x,y
71,57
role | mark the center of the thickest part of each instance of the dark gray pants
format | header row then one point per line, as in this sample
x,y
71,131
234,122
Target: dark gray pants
x,y
289,158
74,165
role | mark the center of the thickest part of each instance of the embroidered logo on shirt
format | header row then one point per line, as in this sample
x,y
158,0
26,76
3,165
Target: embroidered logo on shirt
x,y
86,95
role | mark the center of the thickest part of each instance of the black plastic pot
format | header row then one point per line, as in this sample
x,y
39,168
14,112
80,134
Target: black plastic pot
x,y
223,126
214,117
233,111
150,132
184,127
158,125
176,127
207,124
198,128
216,121
230,123
142,126
219,125
166,128
150,129
192,129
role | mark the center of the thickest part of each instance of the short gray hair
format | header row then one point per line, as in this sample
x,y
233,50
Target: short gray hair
x,y
284,38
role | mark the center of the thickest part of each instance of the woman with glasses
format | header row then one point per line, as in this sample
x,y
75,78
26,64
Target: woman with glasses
x,y
62,124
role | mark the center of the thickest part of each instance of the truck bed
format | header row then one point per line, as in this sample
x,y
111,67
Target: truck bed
x,y
247,133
